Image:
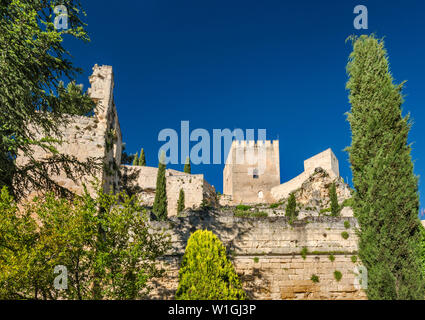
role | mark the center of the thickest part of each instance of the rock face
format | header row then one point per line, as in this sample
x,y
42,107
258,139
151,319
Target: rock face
x,y
274,260
314,192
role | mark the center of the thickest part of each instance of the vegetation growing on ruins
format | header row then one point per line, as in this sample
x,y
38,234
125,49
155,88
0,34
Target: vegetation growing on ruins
x,y
291,209
347,224
52,231
345,235
314,278
205,272
34,60
386,200
331,257
180,202
337,275
335,209
160,202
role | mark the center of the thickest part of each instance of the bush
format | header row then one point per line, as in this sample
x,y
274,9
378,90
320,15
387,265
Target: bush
x,y
205,272
246,214
332,257
291,209
353,259
337,275
348,203
314,278
345,235
347,224
304,252
243,207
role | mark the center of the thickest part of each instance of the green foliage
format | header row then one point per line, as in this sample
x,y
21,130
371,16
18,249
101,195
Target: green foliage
x,y
104,242
304,252
345,235
160,202
187,168
246,214
348,203
256,260
314,278
335,209
337,275
347,224
386,201
353,259
331,257
32,61
142,159
205,272
275,205
243,207
325,210
291,208
180,202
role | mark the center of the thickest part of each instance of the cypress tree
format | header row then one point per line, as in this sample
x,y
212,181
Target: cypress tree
x,y
205,272
291,208
142,160
386,201
187,168
180,202
136,160
160,202
334,200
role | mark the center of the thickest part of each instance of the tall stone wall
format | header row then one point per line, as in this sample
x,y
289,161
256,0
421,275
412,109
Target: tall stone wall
x,y
267,255
98,136
195,187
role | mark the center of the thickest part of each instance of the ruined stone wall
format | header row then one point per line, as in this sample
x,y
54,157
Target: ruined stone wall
x,y
83,137
267,255
251,170
325,160
195,187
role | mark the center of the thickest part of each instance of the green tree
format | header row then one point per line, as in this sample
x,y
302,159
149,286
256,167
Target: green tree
x,y
291,208
53,231
335,209
187,168
180,202
136,160
32,60
142,160
386,201
160,202
205,272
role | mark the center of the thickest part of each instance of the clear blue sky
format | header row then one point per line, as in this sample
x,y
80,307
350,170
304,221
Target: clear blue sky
x,y
275,65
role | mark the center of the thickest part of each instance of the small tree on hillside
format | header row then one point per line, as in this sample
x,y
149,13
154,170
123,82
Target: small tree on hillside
x,y
291,208
180,202
160,202
206,273
187,168
142,160
335,209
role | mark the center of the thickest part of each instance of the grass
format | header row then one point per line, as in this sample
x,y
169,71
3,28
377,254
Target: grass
x,y
248,214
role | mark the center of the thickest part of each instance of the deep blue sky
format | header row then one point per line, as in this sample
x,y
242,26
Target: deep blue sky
x,y
277,65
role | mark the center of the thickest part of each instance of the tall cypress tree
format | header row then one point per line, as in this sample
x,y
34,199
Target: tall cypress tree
x,y
160,202
180,202
187,168
334,200
136,160
386,201
291,208
142,160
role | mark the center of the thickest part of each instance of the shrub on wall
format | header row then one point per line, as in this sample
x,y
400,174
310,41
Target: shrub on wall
x,y
205,272
335,209
291,208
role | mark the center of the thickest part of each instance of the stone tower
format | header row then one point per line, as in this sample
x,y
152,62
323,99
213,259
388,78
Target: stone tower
x,y
251,171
